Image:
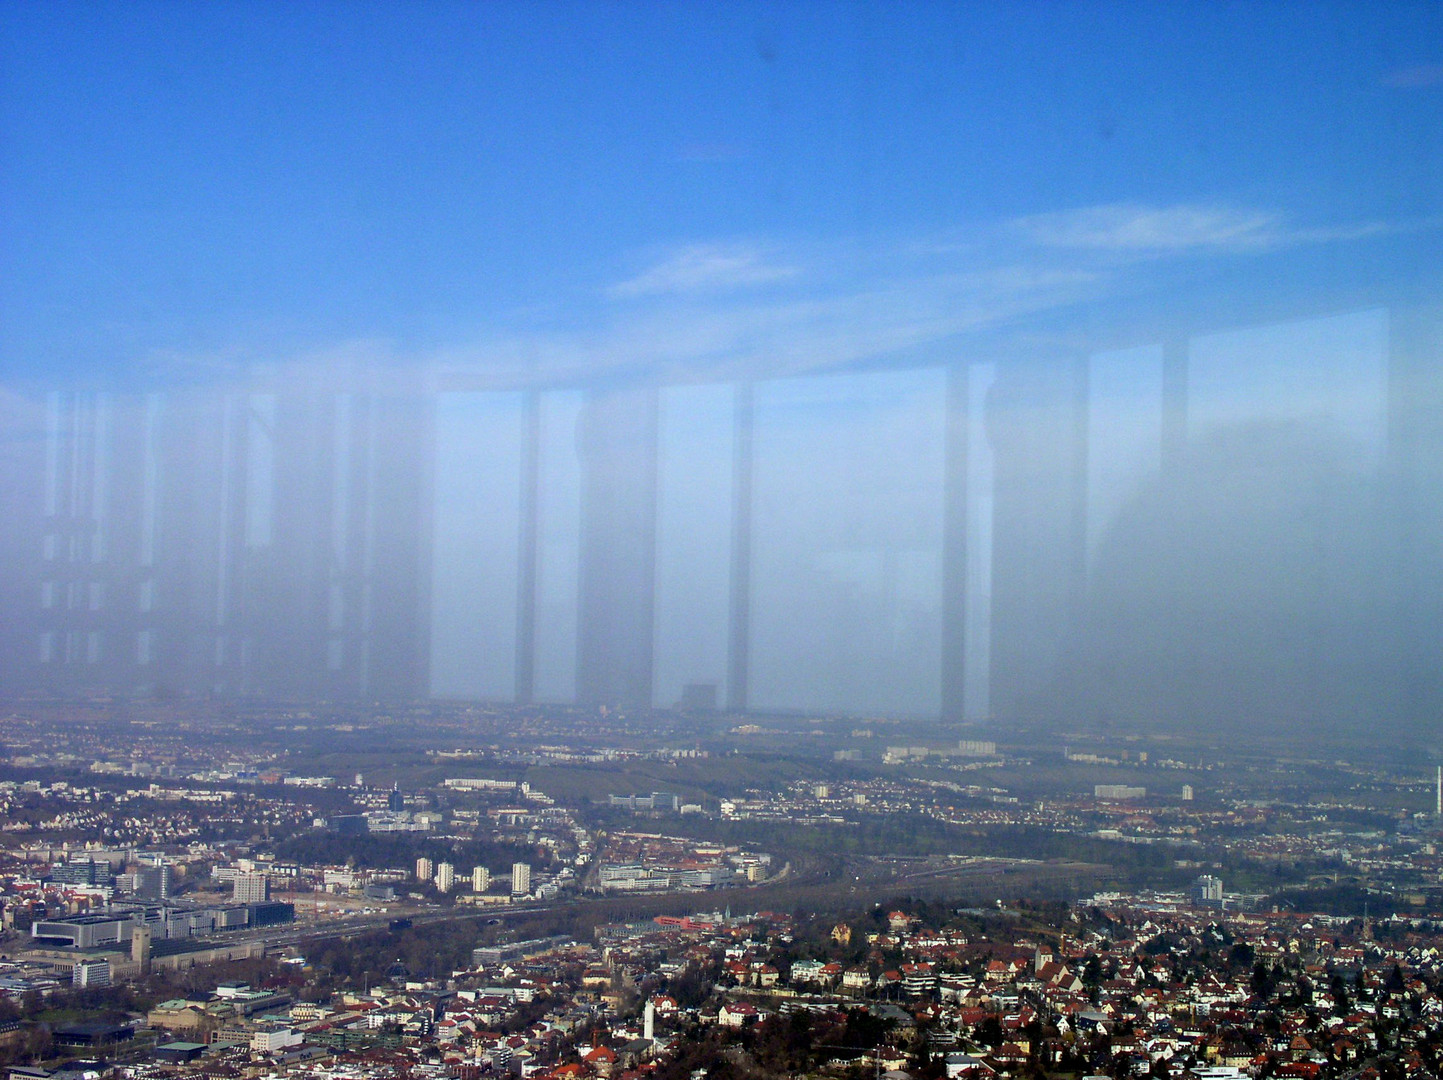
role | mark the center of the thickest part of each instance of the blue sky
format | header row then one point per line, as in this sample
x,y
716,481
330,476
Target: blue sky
x,y
563,190
477,197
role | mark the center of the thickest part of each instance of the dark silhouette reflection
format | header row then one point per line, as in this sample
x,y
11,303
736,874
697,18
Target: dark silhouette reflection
x,y
1251,585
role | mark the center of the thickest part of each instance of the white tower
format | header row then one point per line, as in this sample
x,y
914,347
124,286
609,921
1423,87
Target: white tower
x,y
648,1021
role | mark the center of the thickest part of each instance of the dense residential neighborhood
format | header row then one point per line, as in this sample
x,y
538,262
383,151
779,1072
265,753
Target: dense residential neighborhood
x,y
1119,985
536,894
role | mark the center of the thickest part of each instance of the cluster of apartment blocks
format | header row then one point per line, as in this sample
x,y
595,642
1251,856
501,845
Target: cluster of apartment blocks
x,y
443,874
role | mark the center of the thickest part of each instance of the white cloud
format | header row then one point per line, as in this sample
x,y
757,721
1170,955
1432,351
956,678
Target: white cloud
x,y
705,268
749,310
700,339
1131,228
1124,232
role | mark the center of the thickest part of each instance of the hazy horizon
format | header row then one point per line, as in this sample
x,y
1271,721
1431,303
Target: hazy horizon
x,y
990,363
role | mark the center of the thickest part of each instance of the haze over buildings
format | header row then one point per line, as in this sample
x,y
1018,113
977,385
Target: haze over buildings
x,y
1108,397
345,545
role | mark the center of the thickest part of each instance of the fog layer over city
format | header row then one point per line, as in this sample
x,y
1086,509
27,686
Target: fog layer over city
x,y
904,367
1232,529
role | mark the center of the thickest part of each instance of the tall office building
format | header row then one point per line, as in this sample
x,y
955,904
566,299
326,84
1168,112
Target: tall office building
x,y
82,870
90,973
445,876
251,888
480,879
520,878
153,882
1207,890
425,869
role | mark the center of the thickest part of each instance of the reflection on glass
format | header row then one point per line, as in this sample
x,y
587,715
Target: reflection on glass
x,y
474,564
847,539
